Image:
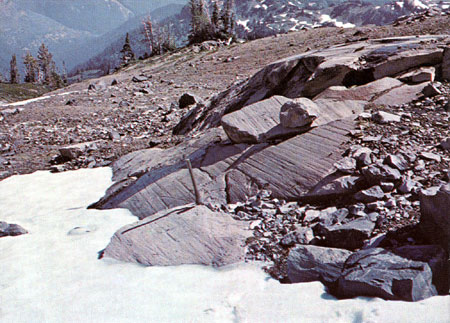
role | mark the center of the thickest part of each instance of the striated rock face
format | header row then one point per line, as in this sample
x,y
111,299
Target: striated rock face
x,y
184,235
311,73
225,172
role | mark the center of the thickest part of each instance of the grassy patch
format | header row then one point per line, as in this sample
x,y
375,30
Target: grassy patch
x,y
19,92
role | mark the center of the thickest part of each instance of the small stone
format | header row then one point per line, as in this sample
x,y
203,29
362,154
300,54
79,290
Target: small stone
x,y
372,194
430,90
445,144
406,186
397,161
188,99
139,78
387,186
114,135
346,165
430,156
385,117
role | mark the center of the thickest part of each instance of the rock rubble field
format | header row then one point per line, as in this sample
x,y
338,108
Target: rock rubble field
x,y
332,165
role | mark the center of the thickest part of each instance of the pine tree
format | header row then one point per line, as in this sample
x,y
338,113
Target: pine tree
x,y
201,26
31,68
228,19
46,64
215,18
14,72
148,34
127,52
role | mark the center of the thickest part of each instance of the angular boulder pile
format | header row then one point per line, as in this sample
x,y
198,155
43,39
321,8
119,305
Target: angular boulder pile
x,y
292,154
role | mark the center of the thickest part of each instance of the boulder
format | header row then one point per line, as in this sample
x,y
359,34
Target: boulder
x,y
435,217
139,78
262,121
258,122
391,275
369,195
188,99
446,64
97,86
10,229
312,263
296,115
347,236
183,235
383,117
74,151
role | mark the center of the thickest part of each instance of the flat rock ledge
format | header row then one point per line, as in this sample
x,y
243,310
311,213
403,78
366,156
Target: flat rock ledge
x,y
184,235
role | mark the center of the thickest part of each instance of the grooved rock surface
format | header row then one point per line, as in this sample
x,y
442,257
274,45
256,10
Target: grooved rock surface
x,y
293,167
184,235
227,172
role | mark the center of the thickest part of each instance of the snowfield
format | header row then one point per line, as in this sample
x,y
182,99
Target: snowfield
x,y
50,275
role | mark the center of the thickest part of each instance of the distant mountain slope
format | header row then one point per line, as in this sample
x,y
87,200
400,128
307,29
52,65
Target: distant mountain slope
x,y
64,25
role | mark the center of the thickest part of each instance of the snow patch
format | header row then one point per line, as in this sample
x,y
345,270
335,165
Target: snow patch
x,y
25,102
327,18
51,276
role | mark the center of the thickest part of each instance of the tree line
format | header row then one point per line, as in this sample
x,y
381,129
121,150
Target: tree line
x,y
207,23
41,69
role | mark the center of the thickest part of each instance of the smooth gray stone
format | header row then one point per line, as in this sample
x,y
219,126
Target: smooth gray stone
x,y
183,235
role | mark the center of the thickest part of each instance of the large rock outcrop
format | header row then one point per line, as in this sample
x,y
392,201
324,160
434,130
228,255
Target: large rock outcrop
x,y
225,172
309,74
184,235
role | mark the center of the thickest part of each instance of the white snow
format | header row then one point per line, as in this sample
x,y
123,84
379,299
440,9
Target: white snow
x,y
419,4
244,24
49,276
24,102
327,18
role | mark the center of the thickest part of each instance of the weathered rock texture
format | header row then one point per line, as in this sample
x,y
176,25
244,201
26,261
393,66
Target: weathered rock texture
x,y
224,171
185,235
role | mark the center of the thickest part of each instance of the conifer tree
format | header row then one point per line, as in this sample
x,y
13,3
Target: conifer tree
x,y
46,64
14,72
31,68
127,52
215,18
148,34
201,27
